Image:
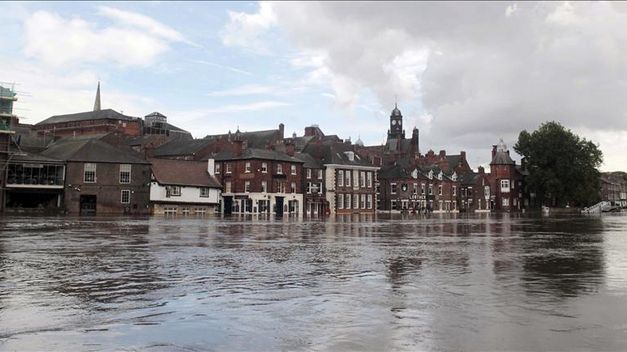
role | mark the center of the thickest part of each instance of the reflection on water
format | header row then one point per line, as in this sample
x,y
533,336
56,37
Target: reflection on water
x,y
484,282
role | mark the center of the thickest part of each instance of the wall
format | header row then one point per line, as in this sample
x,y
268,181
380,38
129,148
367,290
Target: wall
x,y
188,195
107,188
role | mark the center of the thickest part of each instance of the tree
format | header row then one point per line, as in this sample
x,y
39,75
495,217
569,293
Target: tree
x,y
563,168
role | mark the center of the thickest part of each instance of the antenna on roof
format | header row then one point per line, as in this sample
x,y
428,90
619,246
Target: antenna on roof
x,y
395,101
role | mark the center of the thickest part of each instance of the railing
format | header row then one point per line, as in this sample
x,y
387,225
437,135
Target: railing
x,y
597,208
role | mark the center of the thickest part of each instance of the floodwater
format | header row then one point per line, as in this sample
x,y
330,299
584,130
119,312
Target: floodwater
x,y
476,282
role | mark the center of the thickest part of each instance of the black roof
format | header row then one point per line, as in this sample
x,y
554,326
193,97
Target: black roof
x,y
88,115
254,139
502,158
335,153
92,150
180,146
255,153
309,161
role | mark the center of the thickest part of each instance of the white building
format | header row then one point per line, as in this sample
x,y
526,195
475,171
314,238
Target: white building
x,y
184,187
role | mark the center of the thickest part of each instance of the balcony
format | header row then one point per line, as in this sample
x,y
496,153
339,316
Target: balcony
x,y
35,176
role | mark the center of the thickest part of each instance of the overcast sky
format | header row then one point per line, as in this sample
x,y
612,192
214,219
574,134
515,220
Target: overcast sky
x,y
466,74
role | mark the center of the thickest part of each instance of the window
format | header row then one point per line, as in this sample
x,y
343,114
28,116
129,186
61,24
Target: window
x,y
369,201
355,201
393,188
293,169
393,204
247,186
308,173
340,178
125,196
264,186
347,201
340,201
125,173
362,201
227,187
217,169
280,187
369,179
440,190
356,179
506,202
347,178
415,190
320,174
204,192
430,189
247,167
279,169
293,187
422,189
264,168
362,179
228,168
486,192
454,191
308,187
172,191
504,185
89,173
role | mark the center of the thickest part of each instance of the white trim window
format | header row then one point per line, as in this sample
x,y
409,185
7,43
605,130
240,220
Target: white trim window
x,y
393,188
320,174
340,178
125,196
125,173
279,169
217,169
293,169
362,179
369,179
347,201
172,191
227,187
264,167
308,173
293,187
340,201
264,186
439,190
247,186
228,168
247,167
504,186
89,173
204,192
347,178
369,201
355,201
454,191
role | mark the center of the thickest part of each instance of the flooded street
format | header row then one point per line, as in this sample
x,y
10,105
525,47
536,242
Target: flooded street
x,y
477,282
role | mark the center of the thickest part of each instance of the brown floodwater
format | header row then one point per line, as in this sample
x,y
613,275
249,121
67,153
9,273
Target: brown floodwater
x,y
439,283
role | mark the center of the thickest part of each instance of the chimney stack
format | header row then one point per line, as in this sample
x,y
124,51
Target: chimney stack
x,y
493,150
442,153
211,166
282,130
481,170
290,147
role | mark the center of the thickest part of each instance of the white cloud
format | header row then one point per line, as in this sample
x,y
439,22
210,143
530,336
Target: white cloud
x,y
245,30
230,68
468,65
57,41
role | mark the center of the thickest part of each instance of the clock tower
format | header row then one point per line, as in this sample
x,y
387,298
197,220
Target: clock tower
x,y
396,124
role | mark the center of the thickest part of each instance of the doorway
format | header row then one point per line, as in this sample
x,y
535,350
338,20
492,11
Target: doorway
x,y
87,204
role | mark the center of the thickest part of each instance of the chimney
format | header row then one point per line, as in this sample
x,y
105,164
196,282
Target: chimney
x,y
238,145
282,130
211,166
481,170
462,155
290,147
442,153
493,150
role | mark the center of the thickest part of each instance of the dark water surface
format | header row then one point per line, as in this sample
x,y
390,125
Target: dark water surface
x,y
495,282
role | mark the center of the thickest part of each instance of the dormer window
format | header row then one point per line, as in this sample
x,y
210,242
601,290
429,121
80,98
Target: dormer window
x,y
430,174
350,155
440,175
454,177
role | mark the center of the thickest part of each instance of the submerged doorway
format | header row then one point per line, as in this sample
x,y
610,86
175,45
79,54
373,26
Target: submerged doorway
x,y
88,204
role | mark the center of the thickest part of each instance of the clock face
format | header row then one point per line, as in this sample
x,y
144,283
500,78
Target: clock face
x,y
394,122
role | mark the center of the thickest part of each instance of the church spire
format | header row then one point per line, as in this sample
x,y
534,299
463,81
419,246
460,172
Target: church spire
x,y
97,102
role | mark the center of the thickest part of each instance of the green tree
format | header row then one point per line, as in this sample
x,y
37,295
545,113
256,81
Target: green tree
x,y
563,168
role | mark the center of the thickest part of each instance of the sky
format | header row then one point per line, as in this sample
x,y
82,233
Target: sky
x,y
465,74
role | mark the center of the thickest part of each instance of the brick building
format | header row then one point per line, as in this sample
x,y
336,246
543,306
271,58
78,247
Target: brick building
x,y
101,178
313,186
614,188
350,181
506,181
259,181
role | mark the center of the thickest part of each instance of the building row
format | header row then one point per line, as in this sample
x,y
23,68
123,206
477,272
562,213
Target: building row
x,y
104,162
